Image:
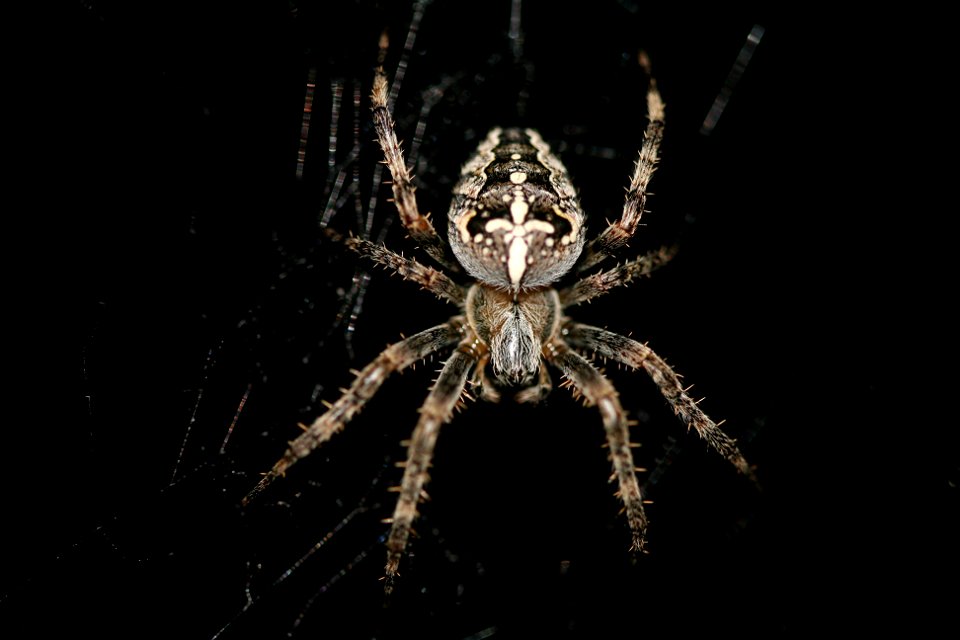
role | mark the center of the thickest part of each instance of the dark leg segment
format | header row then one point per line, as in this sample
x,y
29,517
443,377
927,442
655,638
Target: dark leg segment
x,y
436,410
395,358
436,282
619,232
418,226
598,391
632,353
598,284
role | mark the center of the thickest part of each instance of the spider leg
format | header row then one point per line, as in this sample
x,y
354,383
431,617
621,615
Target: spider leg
x,y
598,284
436,410
434,281
600,392
630,352
618,233
418,226
396,357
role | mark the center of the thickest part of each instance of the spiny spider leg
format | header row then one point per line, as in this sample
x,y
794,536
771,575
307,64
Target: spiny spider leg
x,y
600,392
598,284
634,354
396,357
436,410
418,226
434,281
618,233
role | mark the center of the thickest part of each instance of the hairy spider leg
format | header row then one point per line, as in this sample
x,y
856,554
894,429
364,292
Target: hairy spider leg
x,y
404,193
619,232
599,392
601,283
434,281
619,348
396,357
436,410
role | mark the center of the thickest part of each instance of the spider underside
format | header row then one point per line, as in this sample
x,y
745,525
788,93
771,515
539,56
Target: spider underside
x,y
515,226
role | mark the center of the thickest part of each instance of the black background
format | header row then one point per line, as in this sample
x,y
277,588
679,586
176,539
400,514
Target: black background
x,y
179,266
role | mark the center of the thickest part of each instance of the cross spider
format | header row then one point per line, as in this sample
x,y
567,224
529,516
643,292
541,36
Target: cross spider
x,y
516,227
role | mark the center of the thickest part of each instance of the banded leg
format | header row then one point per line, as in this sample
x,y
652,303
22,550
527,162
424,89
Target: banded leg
x,y
600,392
436,410
615,236
396,357
436,282
632,353
598,284
418,226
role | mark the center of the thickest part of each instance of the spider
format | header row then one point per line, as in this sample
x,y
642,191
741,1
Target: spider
x,y
515,226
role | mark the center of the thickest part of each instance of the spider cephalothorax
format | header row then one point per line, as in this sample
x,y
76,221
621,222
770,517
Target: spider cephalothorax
x,y
516,227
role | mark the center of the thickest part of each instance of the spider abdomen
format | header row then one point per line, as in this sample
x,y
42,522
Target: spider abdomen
x,y
514,221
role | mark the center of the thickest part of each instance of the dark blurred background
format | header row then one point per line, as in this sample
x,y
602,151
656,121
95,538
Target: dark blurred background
x,y
179,274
